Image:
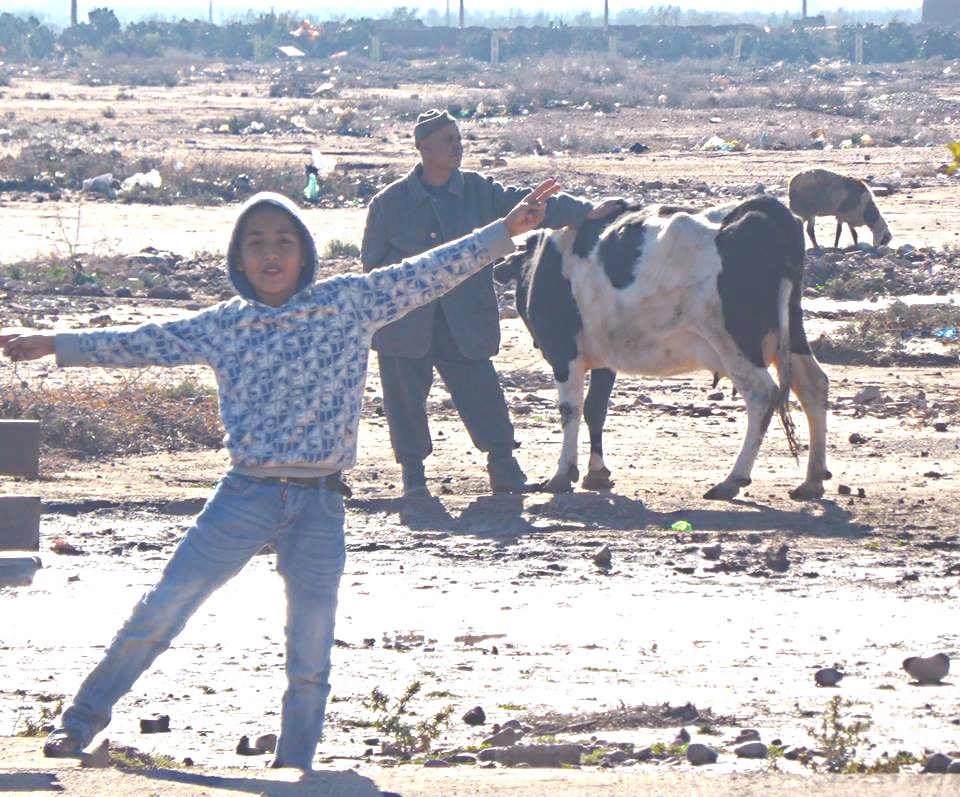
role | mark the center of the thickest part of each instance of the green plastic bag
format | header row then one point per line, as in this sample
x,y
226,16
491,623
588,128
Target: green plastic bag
x,y
682,525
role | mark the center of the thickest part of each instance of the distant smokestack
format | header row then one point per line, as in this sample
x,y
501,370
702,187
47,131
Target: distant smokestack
x,y
804,9
461,13
73,13
606,13
210,13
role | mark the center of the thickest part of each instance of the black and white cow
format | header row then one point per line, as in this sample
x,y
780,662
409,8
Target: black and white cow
x,y
667,294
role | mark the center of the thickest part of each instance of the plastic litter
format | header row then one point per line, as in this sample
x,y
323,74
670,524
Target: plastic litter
x,y
137,180
947,333
954,147
101,184
847,143
312,190
682,525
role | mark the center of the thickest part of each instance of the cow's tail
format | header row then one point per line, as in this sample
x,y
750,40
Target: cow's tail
x,y
784,367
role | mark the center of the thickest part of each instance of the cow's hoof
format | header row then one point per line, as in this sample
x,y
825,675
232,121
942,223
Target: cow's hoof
x,y
597,480
725,491
558,484
808,491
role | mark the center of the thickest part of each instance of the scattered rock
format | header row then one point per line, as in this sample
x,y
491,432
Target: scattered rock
x,y
244,748
747,735
843,489
534,755
828,676
475,716
683,737
711,552
775,558
857,439
929,669
868,395
435,763
266,743
752,750
603,558
503,738
156,724
699,754
99,758
940,426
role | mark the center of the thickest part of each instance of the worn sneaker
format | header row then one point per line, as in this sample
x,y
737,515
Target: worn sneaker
x,y
61,743
506,475
414,479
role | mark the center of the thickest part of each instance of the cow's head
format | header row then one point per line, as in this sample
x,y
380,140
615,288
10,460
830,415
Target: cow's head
x,y
520,268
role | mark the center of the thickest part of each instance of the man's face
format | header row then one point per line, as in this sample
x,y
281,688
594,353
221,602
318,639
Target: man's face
x,y
271,254
442,150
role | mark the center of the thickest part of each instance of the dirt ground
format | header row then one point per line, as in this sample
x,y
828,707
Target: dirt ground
x,y
495,600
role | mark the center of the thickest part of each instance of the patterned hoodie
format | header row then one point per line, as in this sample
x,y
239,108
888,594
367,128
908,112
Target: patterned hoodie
x,y
290,378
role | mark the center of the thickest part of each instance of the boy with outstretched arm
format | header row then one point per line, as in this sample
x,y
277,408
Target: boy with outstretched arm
x,y
290,358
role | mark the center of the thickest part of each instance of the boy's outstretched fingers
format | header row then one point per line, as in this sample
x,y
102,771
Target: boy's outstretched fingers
x,y
530,211
26,347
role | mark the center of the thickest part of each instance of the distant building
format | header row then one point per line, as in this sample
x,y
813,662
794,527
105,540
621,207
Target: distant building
x,y
941,12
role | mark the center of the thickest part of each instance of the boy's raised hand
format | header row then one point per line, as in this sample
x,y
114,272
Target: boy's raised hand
x,y
529,212
27,347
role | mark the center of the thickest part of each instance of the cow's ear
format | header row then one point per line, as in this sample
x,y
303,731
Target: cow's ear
x,y
509,270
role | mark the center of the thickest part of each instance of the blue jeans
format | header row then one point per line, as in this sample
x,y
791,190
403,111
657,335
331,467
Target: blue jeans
x,y
305,527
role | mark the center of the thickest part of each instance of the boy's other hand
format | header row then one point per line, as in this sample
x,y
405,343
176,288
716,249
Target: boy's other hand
x,y
27,347
530,211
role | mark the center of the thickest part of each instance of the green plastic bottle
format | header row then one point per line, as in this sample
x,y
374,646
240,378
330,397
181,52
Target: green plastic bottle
x,y
312,191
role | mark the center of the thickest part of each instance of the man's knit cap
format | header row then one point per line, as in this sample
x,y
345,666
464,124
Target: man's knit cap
x,y
429,121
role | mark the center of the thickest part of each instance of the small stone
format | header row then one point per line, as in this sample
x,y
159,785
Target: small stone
x,y
752,750
462,758
244,748
954,768
868,395
937,764
747,735
775,558
857,439
157,724
843,489
711,552
99,758
436,763
682,737
940,426
475,716
503,738
699,754
266,743
828,676
929,669
603,558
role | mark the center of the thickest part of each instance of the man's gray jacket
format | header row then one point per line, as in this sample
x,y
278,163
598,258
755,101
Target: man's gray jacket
x,y
406,219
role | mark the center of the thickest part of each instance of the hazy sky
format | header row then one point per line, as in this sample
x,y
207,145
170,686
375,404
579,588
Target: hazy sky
x,y
58,10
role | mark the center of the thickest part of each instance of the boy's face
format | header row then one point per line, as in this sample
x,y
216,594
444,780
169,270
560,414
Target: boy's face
x,y
271,254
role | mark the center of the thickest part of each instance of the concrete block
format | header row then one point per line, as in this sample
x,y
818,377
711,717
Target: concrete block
x,y
20,448
19,523
18,571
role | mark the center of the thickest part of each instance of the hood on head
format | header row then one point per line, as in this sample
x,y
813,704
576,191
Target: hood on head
x,y
237,278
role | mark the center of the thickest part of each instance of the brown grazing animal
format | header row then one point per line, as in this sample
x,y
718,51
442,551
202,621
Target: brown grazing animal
x,y
818,192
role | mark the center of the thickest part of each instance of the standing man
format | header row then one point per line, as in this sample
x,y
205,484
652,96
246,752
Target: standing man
x,y
458,333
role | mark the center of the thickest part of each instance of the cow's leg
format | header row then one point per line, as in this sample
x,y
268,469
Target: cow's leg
x,y
595,411
812,233
810,384
570,393
761,395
